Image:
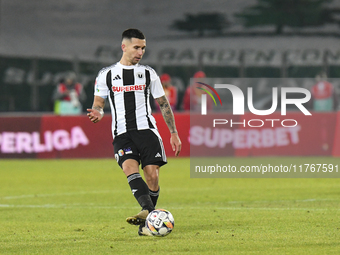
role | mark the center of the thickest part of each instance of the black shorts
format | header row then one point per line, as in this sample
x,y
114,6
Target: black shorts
x,y
145,146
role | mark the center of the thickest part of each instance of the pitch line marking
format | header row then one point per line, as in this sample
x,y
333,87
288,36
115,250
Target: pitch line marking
x,y
58,194
65,206
114,191
281,201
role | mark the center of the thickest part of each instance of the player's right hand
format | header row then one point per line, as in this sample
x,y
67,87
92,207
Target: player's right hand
x,y
94,115
176,143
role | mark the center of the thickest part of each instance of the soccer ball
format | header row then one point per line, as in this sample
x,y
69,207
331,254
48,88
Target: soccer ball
x,y
160,222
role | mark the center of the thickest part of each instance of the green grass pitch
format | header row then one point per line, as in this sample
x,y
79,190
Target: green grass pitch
x,y
80,206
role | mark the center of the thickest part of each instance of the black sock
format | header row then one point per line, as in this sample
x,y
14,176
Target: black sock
x,y
141,191
154,196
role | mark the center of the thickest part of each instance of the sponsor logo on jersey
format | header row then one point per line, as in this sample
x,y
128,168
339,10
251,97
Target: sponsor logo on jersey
x,y
158,155
128,88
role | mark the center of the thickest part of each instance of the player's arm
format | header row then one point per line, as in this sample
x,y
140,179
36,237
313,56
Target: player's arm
x,y
169,119
97,112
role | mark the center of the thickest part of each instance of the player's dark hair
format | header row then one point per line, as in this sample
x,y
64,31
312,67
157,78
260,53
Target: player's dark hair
x,y
132,33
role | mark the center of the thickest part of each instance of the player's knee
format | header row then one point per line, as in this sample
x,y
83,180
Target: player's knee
x,y
153,177
129,168
152,180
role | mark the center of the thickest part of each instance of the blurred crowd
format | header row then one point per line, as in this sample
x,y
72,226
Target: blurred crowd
x,y
324,95
69,96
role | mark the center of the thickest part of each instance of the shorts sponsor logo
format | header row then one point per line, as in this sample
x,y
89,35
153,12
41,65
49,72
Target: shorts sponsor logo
x,y
127,150
120,152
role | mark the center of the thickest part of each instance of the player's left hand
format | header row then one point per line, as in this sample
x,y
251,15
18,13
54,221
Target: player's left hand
x,y
176,143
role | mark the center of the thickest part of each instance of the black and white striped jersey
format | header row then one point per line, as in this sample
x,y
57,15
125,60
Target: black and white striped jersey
x,y
128,89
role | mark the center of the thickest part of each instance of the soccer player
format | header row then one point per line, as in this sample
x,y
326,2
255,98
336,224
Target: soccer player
x,y
128,84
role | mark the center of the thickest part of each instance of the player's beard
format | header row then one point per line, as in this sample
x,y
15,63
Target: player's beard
x,y
135,60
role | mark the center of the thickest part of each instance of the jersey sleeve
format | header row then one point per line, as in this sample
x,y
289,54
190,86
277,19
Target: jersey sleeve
x,y
100,87
156,85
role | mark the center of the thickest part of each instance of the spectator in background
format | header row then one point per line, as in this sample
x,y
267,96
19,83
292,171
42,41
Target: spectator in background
x,y
324,97
169,90
68,96
192,96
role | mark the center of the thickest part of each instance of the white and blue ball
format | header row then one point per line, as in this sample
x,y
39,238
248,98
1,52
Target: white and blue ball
x,y
160,222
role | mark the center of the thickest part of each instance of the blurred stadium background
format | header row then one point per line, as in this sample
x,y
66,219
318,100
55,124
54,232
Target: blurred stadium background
x,y
41,40
73,206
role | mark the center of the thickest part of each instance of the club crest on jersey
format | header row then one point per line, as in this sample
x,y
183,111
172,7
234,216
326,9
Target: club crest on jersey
x,y
128,88
140,75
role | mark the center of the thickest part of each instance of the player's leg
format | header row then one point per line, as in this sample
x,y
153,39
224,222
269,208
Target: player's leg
x,y
151,174
127,156
152,158
139,189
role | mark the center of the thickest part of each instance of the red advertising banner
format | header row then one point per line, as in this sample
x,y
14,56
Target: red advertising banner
x,y
295,134
52,136
18,136
76,137
206,140
251,135
336,146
